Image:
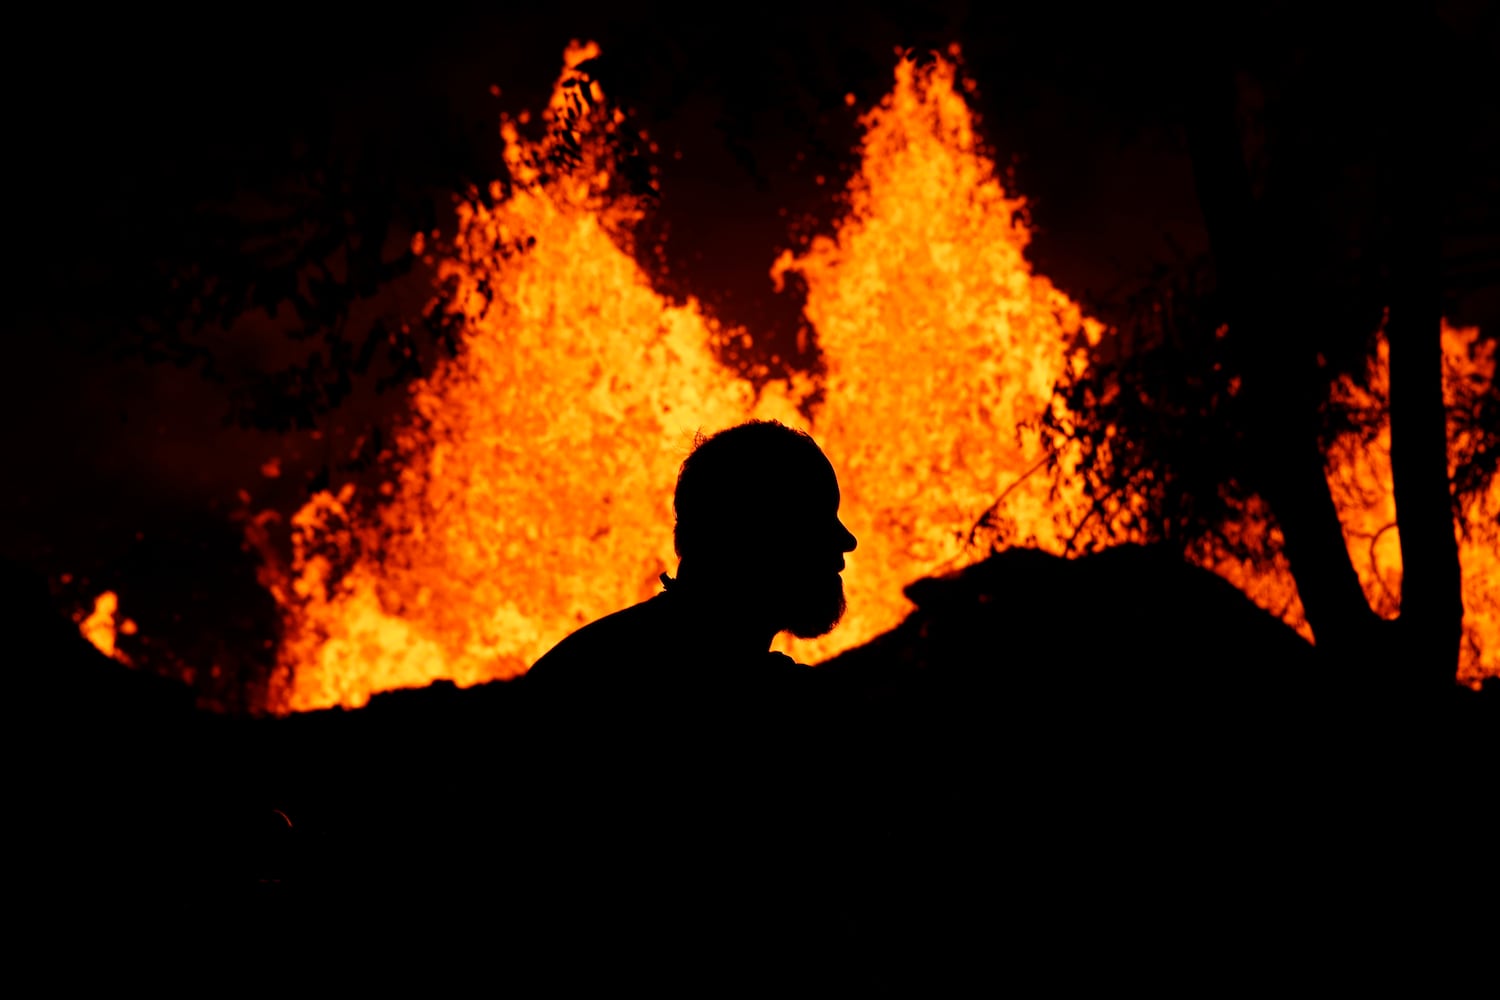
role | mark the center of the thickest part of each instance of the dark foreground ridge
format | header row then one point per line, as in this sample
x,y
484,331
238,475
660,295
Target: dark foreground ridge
x,y
1094,770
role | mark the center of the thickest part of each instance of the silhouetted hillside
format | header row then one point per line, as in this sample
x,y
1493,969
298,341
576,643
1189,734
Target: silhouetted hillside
x,y
1047,756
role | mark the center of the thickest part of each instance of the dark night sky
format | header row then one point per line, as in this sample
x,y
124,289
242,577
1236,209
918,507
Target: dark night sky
x,y
115,110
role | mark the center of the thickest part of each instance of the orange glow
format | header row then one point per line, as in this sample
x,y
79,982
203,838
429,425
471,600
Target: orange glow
x,y
1265,578
99,626
535,475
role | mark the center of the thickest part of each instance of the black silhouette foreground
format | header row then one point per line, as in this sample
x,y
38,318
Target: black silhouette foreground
x,y
681,752
1098,770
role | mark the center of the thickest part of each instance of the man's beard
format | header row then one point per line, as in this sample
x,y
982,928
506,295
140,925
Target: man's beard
x,y
815,609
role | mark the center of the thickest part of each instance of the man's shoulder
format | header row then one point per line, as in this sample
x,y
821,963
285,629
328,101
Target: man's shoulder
x,y
590,653
783,664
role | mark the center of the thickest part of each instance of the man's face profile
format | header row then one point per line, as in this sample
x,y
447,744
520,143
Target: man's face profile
x,y
807,554
772,534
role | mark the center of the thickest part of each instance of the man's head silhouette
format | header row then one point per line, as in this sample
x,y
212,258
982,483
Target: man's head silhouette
x,y
758,528
760,548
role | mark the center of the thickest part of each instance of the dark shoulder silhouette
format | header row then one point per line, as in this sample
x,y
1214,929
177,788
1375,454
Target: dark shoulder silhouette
x,y
659,649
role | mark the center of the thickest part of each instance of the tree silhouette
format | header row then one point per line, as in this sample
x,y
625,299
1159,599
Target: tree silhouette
x,y
1316,163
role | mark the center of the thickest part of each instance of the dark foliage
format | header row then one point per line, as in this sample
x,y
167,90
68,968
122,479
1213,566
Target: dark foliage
x,y
1171,443
1155,418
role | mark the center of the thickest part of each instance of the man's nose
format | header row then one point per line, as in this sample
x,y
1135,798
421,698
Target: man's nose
x,y
847,541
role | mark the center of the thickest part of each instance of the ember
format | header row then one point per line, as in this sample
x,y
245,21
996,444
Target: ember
x,y
100,628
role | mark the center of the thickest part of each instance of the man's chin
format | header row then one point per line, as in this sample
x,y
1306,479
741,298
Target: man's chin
x,y
810,623
812,631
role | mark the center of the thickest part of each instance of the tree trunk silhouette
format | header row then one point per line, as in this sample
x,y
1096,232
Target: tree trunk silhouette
x,y
1431,623
1281,389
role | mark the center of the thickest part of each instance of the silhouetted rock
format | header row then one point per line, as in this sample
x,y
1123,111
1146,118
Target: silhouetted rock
x,y
1047,755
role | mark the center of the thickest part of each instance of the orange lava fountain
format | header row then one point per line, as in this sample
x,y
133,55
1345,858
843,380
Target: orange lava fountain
x,y
939,342
535,480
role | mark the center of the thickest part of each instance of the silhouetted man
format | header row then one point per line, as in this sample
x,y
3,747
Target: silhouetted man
x,y
675,750
760,548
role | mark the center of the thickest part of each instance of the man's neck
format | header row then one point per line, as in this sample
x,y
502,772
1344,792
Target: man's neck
x,y
722,614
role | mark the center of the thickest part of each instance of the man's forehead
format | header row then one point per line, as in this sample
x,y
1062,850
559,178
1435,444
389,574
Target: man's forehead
x,y
784,470
805,487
